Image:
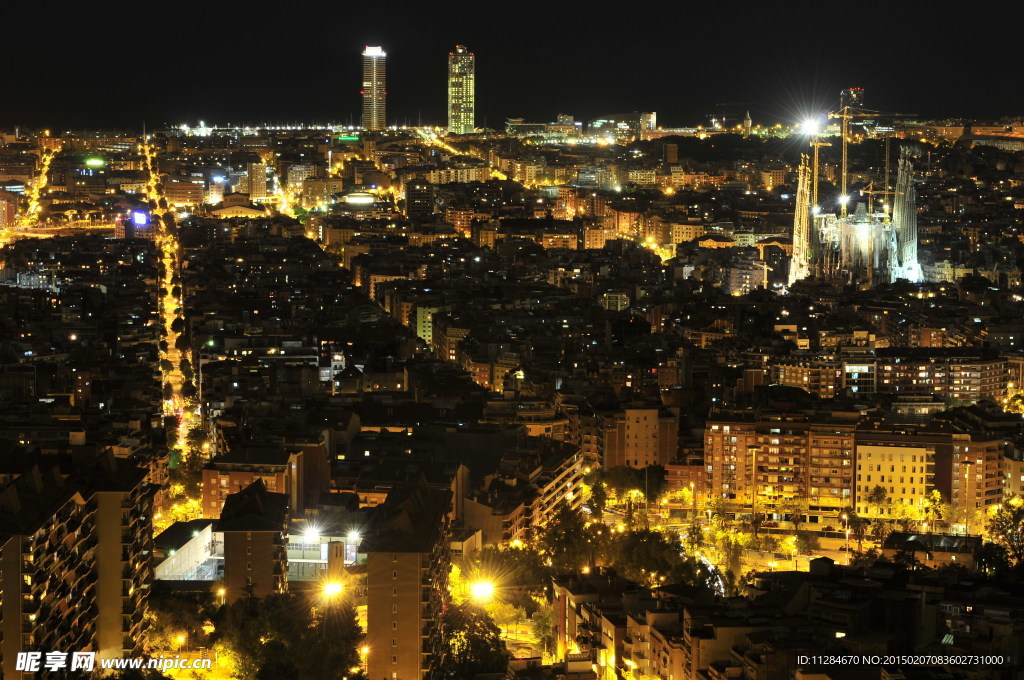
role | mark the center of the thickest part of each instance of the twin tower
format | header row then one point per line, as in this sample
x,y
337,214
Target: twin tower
x,y
461,90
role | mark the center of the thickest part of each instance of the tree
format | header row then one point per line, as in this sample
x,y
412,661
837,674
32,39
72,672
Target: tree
x,y
908,559
264,632
864,559
474,643
694,538
504,614
756,519
181,343
654,482
878,498
178,325
719,508
621,480
168,390
991,558
564,539
1006,527
807,542
858,527
645,554
598,499
880,530
795,509
544,628
137,674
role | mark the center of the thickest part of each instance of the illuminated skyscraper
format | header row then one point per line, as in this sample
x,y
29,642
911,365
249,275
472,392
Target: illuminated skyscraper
x,y
373,88
461,90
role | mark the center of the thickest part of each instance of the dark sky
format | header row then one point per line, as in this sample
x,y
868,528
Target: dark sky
x,y
114,64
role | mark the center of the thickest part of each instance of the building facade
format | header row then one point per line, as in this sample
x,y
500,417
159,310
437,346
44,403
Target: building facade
x,y
373,91
461,91
75,561
407,566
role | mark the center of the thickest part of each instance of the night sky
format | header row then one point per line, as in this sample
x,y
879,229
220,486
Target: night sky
x,y
114,64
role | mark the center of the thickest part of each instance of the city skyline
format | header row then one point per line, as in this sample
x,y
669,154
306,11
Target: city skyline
x,y
678,343
695,60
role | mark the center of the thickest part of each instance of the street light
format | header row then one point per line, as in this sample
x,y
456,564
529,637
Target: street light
x,y
333,588
221,593
482,591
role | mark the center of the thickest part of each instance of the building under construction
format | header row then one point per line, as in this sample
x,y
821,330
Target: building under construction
x,y
863,247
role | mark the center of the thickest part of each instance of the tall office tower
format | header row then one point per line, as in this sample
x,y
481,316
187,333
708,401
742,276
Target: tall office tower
x,y
373,88
461,91
257,182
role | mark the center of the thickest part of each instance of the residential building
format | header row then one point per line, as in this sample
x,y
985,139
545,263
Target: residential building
x,y
407,563
254,523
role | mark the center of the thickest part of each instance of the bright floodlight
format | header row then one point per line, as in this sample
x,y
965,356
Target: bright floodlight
x,y
816,209
810,126
844,199
312,533
374,51
332,588
481,591
353,536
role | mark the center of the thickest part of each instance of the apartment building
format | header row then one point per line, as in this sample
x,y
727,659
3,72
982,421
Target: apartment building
x,y
75,550
407,565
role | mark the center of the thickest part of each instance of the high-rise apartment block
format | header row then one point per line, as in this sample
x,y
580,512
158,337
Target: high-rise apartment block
x,y
640,436
461,91
257,182
407,565
75,550
255,526
373,88
771,458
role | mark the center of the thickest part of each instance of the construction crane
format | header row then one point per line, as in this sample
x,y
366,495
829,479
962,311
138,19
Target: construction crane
x,y
846,114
